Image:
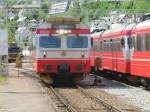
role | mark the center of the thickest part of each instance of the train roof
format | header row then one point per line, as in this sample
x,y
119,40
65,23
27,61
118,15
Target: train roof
x,y
143,24
114,31
51,22
63,20
119,30
124,29
95,35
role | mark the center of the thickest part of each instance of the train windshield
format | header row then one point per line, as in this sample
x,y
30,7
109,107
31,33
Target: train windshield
x,y
50,42
77,42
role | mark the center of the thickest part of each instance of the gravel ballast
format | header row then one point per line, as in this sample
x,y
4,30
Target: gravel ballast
x,y
135,96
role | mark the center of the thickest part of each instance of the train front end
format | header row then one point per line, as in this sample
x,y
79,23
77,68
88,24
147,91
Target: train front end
x,y
62,50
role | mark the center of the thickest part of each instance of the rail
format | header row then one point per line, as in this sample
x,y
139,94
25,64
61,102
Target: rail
x,y
67,105
107,106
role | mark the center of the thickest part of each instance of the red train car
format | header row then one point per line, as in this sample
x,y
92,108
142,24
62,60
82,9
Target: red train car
x,y
124,49
62,49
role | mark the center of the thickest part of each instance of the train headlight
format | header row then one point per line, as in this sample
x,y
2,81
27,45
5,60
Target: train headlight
x,y
82,55
44,54
63,31
79,67
57,31
69,31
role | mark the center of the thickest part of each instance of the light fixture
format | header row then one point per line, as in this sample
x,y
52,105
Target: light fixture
x,y
44,54
62,31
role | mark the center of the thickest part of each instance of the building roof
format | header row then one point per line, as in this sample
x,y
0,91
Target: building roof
x,y
60,7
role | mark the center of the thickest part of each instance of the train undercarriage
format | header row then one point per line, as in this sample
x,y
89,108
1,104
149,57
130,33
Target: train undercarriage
x,y
123,77
62,78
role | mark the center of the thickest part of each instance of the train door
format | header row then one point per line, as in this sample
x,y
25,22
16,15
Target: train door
x,y
114,55
127,48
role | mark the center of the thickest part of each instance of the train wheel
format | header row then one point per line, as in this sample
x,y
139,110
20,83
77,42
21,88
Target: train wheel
x,y
148,87
133,79
97,65
92,70
148,84
47,79
79,78
143,81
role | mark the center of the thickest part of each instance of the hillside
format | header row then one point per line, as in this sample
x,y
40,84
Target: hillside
x,y
97,9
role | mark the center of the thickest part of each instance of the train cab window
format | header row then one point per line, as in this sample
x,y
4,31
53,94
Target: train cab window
x,y
77,42
122,41
50,42
130,42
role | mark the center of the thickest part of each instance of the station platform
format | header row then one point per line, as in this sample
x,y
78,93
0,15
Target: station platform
x,y
21,93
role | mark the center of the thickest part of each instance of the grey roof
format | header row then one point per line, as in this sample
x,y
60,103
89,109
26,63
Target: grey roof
x,y
60,7
2,2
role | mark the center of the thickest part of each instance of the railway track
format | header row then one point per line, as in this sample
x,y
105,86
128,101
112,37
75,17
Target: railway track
x,y
84,101
79,100
106,105
60,103
124,80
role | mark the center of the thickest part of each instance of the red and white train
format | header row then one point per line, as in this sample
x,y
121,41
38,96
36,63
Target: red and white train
x,y
62,49
124,48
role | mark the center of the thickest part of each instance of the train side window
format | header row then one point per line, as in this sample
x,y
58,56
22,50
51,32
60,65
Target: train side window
x,y
101,46
147,42
92,42
139,42
130,42
118,45
134,43
96,46
122,42
106,45
110,43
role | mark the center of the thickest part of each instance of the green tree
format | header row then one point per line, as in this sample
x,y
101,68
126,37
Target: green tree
x,y
11,26
10,2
